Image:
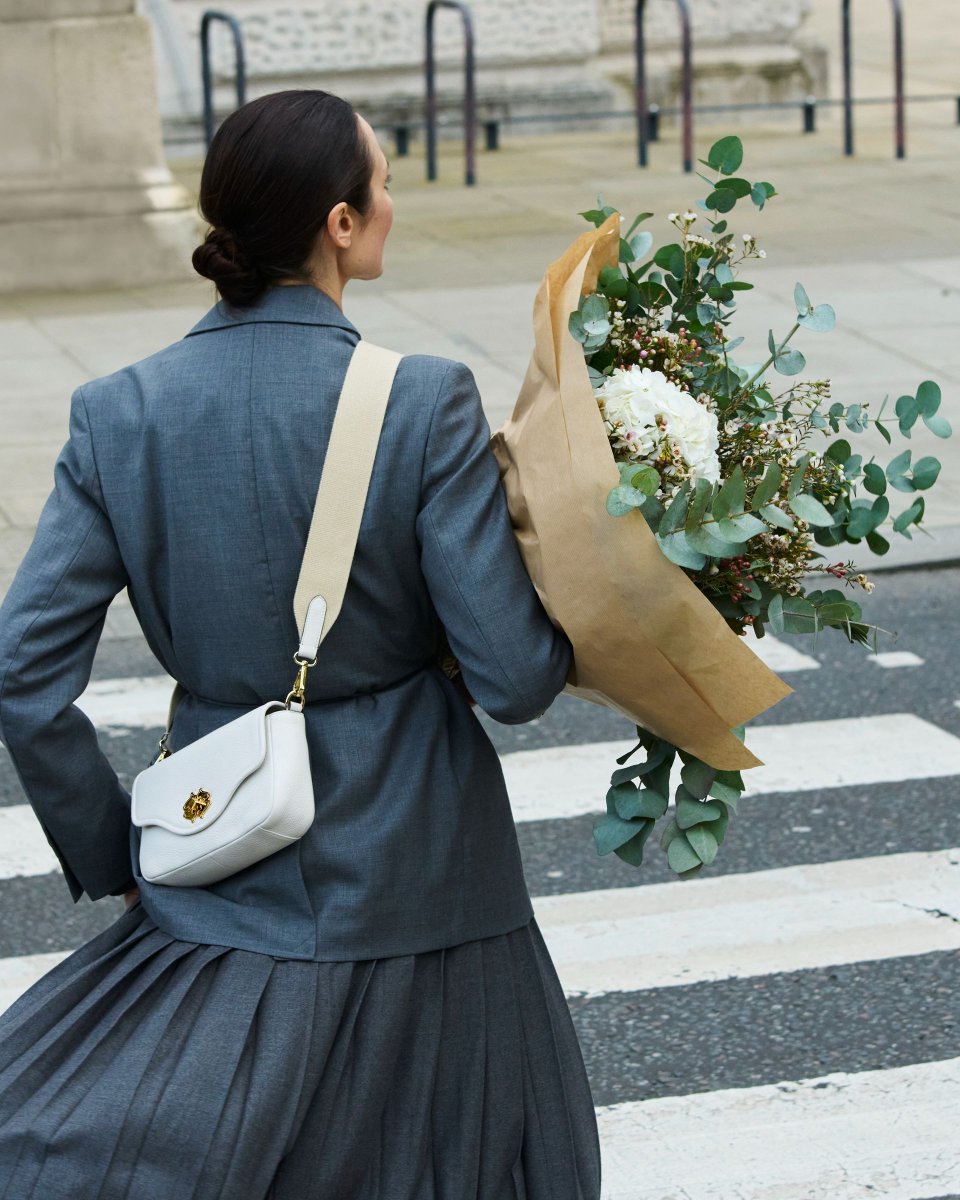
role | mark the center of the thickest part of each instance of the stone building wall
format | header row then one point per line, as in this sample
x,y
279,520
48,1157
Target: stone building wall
x,y
534,57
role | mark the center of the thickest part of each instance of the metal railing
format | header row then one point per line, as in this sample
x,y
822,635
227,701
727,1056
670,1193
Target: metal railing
x,y
240,66
900,124
644,112
469,92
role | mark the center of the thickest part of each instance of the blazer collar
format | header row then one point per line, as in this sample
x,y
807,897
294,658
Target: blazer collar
x,y
301,304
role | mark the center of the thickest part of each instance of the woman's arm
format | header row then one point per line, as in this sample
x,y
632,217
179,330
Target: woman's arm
x,y
50,623
513,659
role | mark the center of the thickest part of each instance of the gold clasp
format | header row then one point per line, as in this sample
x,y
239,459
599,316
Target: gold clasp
x,y
197,804
298,691
164,752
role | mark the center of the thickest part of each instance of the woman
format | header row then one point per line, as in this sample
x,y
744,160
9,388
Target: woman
x,y
372,1011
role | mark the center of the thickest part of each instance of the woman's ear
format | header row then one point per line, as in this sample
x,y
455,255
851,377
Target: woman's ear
x,y
340,225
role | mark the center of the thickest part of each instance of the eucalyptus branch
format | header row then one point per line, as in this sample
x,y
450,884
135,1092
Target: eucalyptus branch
x,y
770,361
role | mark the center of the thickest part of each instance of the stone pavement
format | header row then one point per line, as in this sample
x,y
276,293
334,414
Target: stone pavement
x,y
878,239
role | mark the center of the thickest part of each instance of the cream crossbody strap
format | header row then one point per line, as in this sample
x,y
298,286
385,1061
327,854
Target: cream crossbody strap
x,y
341,497
342,493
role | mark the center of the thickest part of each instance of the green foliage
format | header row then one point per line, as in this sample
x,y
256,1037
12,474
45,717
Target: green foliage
x,y
813,487
725,156
703,801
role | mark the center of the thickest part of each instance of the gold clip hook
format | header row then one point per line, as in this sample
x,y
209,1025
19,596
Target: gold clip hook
x,y
298,691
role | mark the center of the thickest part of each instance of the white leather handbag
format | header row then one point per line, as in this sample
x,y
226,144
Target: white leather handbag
x,y
245,790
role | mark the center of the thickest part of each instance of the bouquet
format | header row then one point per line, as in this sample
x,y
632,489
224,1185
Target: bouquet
x,y
735,493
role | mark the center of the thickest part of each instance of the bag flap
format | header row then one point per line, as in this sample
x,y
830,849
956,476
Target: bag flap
x,y
208,771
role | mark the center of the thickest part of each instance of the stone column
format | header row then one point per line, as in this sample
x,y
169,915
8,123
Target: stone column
x,y
86,197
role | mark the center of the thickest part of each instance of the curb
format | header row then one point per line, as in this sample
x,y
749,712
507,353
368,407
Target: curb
x,y
938,551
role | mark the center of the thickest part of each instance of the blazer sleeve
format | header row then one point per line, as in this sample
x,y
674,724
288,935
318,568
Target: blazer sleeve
x,y
50,623
513,658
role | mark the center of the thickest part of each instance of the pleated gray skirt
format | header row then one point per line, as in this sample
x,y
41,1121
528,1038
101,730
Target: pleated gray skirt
x,y
147,1068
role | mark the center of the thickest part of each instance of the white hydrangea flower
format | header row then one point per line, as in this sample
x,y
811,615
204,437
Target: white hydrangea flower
x,y
635,397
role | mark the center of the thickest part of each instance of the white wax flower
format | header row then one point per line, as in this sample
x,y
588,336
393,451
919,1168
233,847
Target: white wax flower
x,y
636,397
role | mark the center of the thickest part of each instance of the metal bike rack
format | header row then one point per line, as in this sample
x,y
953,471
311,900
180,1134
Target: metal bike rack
x,y
642,108
900,124
206,21
469,93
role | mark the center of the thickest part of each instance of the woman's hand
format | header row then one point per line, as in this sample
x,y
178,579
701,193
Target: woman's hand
x,y
131,897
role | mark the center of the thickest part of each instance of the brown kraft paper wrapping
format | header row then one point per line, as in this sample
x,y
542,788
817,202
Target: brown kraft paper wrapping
x,y
646,642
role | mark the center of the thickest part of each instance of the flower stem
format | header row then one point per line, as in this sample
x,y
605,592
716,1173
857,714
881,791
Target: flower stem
x,y
756,375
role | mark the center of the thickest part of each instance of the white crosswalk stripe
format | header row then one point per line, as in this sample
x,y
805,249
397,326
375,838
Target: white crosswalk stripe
x,y
143,701
567,781
889,1133
786,919
827,1137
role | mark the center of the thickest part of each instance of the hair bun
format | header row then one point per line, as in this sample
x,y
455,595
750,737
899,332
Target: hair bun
x,y
222,259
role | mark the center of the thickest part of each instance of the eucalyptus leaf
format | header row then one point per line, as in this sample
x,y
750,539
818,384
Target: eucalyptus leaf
x,y
808,508
874,479
908,409
691,812
791,614
670,831
861,521
675,546
768,487
676,511
698,505
697,777
776,516
706,542
789,362
638,220
838,451
821,320
925,473
640,244
597,216
643,803
619,795
909,516
632,851
622,499
760,193
721,201
929,397
703,842
706,314
646,480
740,528
732,495
938,425
610,831
723,791
739,187
726,155
680,854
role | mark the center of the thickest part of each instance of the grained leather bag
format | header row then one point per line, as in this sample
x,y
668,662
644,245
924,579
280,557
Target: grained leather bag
x,y
245,790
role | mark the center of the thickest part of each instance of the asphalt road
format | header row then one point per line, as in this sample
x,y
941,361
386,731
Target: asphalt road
x,y
872,1013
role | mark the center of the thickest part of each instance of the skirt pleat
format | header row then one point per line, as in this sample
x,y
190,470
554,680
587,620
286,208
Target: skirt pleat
x,y
142,1066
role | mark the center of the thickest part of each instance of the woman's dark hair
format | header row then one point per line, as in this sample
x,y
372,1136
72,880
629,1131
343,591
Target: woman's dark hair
x,y
274,170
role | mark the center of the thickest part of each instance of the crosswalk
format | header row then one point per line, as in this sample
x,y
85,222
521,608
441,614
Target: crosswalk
x,y
705,1007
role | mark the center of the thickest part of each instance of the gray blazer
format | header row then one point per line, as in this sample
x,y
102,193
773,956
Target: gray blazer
x,y
189,478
